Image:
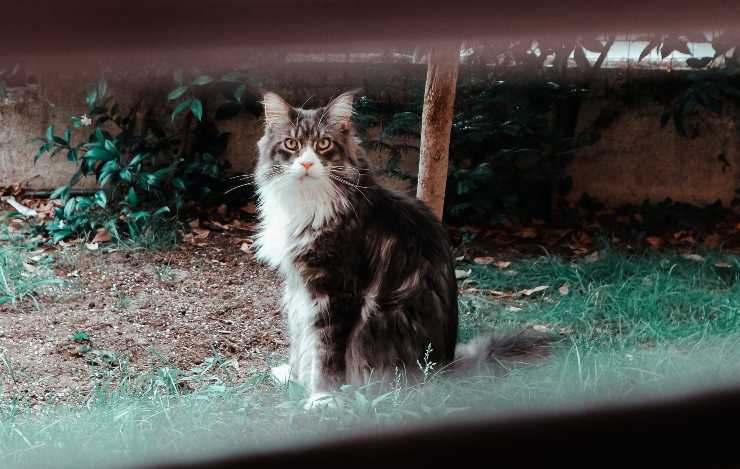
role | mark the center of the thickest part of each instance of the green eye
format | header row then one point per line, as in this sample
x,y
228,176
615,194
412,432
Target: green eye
x,y
323,144
290,144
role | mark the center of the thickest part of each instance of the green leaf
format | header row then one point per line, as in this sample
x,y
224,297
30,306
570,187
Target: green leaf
x,y
50,133
161,211
126,175
131,197
69,207
180,107
60,235
68,135
60,141
178,183
92,98
239,92
99,154
101,199
72,155
177,92
136,216
59,192
202,80
137,159
197,109
111,147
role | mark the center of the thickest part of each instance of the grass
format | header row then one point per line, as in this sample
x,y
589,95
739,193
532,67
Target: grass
x,y
23,273
634,326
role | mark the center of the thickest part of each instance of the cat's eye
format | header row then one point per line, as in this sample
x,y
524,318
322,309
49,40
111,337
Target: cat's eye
x,y
290,144
323,144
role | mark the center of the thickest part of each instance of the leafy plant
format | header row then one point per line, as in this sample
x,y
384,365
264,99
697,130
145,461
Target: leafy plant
x,y
147,162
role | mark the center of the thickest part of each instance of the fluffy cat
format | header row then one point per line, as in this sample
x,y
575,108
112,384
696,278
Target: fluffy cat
x,y
369,280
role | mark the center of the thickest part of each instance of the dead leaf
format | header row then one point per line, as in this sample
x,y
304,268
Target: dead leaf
x,y
101,236
722,265
564,289
514,309
527,233
483,260
245,248
194,223
222,209
201,233
540,328
532,291
502,264
694,257
91,246
461,274
655,242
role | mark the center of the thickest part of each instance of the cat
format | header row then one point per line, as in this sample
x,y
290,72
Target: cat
x,y
369,278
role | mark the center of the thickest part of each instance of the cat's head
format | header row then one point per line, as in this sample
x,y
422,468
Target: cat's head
x,y
309,147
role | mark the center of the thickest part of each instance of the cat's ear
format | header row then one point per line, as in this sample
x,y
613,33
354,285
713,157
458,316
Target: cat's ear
x,y
277,111
339,111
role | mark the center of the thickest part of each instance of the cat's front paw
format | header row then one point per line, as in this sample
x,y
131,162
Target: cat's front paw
x,y
320,400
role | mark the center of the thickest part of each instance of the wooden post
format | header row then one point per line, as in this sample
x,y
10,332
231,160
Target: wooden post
x,y
436,124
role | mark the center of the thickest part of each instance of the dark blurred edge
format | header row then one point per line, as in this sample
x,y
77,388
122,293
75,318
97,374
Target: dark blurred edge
x,y
696,430
46,27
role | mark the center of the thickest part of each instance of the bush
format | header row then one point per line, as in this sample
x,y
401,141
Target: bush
x,y
147,161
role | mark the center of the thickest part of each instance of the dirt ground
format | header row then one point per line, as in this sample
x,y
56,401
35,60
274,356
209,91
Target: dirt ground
x,y
171,308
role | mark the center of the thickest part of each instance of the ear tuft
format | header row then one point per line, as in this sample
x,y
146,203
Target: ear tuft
x,y
339,111
277,111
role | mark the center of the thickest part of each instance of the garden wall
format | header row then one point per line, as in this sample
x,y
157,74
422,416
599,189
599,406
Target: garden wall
x,y
632,160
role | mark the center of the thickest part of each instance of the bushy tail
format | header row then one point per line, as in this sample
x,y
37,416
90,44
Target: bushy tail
x,y
503,351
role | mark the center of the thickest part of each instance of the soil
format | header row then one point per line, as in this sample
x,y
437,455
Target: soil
x,y
172,308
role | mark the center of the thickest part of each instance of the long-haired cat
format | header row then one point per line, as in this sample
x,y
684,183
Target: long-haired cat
x,y
369,279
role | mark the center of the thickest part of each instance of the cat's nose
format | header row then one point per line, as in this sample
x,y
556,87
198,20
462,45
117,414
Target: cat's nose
x,y
306,164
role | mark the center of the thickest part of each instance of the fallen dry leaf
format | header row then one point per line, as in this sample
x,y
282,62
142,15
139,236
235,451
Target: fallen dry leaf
x,y
101,236
91,246
712,241
528,233
461,274
513,309
483,260
564,289
694,257
532,291
655,242
722,265
194,223
201,233
540,328
244,247
502,264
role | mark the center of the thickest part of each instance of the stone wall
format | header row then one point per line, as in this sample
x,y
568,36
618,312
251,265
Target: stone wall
x,y
634,159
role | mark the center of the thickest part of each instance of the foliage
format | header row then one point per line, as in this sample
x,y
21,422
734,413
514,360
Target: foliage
x,y
507,153
146,162
711,81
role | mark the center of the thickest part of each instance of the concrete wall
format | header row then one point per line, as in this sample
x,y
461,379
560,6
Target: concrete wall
x,y
633,160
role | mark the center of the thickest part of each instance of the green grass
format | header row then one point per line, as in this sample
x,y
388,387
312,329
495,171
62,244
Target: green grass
x,y
23,274
636,327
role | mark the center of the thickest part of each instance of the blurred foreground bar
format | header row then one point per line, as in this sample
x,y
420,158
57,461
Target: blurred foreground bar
x,y
690,431
48,27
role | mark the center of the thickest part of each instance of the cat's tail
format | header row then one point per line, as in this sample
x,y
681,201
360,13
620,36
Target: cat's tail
x,y
503,351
